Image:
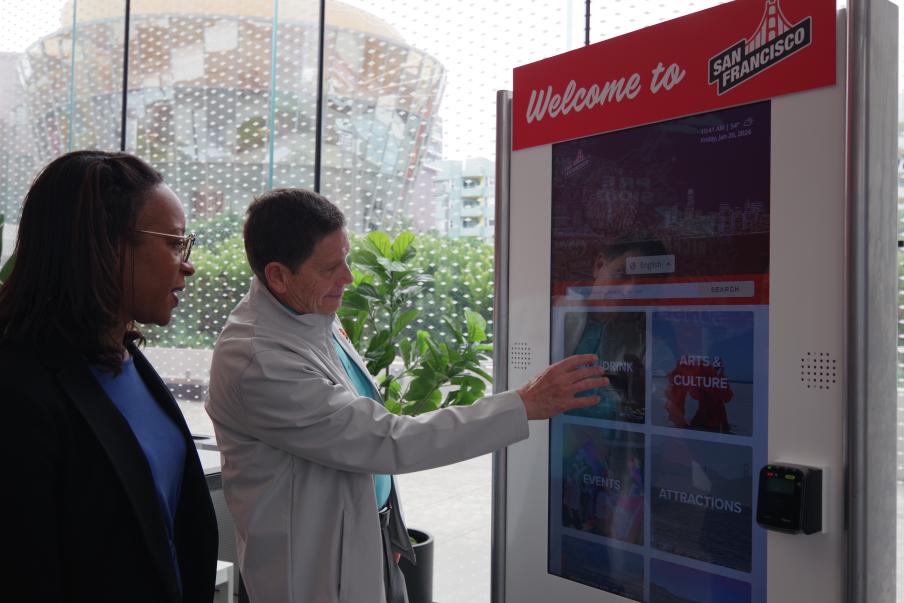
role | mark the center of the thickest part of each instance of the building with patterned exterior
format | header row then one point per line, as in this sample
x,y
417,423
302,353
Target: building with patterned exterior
x,y
225,108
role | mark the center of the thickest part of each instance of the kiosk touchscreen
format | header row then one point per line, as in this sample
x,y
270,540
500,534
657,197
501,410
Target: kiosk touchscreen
x,y
677,207
660,267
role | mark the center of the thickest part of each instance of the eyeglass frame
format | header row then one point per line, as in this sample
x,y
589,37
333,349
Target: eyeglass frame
x,y
188,241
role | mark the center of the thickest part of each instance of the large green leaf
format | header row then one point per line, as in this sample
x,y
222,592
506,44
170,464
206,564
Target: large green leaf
x,y
391,266
464,397
364,258
378,343
369,261
477,326
405,349
380,241
427,404
456,330
476,369
354,300
390,388
421,387
401,245
369,291
444,358
423,342
353,324
359,276
394,391
468,381
404,320
380,360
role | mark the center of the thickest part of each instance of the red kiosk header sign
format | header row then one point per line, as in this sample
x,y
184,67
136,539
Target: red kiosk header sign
x,y
729,55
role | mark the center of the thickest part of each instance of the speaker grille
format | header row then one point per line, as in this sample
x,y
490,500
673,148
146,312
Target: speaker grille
x,y
519,355
818,370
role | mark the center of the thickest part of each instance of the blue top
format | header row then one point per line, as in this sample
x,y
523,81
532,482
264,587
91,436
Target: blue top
x,y
362,383
160,439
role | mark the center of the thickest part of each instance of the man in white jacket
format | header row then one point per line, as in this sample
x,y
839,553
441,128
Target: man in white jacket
x,y
307,455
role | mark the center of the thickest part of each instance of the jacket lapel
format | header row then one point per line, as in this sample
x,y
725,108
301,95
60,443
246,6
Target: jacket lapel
x,y
127,458
343,340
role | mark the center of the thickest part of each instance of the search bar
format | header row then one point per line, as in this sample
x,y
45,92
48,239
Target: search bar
x,y
663,290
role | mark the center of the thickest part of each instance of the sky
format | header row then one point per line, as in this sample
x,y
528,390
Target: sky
x,y
24,21
479,42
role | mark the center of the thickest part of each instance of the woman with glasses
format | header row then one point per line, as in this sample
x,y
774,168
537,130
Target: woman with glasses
x,y
104,498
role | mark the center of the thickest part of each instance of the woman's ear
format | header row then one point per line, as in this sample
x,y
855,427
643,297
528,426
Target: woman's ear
x,y
277,277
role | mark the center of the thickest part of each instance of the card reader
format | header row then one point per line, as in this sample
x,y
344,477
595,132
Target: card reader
x,y
790,499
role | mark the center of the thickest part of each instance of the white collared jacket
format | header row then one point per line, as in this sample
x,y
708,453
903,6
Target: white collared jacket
x,y
299,447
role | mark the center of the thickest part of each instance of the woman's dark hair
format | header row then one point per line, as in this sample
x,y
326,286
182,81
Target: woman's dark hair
x,y
66,281
285,224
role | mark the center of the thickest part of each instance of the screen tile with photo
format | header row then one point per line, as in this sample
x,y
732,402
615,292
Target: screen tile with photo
x,y
701,500
660,240
614,570
619,339
703,371
603,482
673,583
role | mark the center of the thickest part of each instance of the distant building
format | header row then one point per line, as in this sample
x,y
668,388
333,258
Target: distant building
x,y
468,189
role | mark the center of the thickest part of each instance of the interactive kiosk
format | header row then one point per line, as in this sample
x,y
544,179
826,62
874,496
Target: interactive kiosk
x,y
679,201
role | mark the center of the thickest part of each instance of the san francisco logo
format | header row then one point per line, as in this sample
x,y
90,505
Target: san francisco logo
x,y
774,40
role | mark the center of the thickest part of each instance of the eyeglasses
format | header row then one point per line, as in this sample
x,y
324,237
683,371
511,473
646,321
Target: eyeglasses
x,y
185,241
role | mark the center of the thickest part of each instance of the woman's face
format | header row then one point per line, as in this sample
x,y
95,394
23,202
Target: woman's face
x,y
154,273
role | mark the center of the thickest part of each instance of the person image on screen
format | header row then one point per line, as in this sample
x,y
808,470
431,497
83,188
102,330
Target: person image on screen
x,y
105,499
617,338
308,449
705,384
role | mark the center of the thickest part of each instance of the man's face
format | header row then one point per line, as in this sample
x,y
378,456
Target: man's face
x,y
614,268
318,284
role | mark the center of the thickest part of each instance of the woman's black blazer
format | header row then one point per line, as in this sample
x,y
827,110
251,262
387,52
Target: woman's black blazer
x,y
81,517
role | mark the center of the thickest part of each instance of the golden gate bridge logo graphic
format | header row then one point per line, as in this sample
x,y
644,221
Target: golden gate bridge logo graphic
x,y
772,25
774,40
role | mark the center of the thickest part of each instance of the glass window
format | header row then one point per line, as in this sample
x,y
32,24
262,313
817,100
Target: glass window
x,y
222,100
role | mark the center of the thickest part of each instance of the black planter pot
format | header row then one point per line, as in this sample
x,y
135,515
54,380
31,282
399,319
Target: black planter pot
x,y
419,577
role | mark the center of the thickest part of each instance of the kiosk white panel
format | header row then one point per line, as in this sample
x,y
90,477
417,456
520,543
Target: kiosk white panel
x,y
788,323
807,328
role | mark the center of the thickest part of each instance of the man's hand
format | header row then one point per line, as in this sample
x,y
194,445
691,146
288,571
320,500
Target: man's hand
x,y
553,391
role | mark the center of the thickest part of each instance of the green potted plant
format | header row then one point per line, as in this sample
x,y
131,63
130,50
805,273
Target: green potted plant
x,y
416,370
